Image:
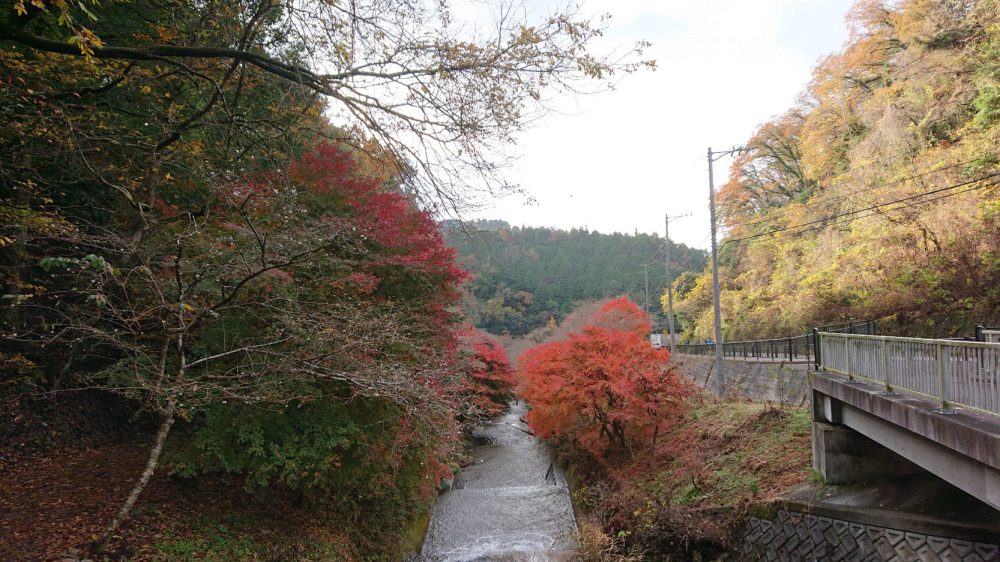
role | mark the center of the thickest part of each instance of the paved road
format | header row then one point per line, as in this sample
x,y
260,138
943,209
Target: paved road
x,y
511,505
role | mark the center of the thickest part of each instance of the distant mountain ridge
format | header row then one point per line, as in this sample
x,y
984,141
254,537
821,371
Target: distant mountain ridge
x,y
523,276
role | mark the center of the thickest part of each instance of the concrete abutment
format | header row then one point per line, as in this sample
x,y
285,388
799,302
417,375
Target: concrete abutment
x,y
860,434
843,456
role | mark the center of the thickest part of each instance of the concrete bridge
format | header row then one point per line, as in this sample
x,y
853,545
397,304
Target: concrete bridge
x,y
886,406
882,406
898,424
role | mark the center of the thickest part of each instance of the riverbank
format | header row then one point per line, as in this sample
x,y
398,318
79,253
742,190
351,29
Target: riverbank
x,y
63,475
733,481
53,503
690,498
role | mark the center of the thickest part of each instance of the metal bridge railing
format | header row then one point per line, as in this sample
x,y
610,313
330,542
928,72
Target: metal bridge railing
x,y
794,348
789,349
992,336
965,373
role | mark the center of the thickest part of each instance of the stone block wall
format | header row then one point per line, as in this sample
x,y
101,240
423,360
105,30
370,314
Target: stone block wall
x,y
763,381
794,535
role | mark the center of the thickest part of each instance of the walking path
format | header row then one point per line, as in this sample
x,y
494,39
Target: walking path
x,y
511,505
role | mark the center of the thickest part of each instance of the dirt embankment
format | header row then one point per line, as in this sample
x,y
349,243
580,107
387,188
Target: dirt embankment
x,y
688,499
66,466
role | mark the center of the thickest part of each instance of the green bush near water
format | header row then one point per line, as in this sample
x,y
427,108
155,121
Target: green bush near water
x,y
346,461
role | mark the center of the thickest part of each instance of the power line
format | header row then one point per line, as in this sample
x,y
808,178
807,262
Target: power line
x,y
855,168
704,260
634,284
661,252
840,197
858,211
874,210
813,225
655,257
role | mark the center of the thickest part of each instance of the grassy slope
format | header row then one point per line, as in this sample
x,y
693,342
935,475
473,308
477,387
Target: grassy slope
x,y
729,452
693,493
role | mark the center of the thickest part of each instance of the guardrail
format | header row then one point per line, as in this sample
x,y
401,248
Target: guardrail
x,y
992,336
965,373
793,348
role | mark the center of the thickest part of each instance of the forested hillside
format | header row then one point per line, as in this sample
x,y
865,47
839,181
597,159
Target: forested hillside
x,y
523,276
876,195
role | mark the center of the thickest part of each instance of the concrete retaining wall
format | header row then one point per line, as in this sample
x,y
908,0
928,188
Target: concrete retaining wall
x,y
762,381
801,533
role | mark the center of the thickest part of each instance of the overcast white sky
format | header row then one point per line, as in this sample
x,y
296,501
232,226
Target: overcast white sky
x,y
619,160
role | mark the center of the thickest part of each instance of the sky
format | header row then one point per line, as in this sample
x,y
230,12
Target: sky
x,y
619,161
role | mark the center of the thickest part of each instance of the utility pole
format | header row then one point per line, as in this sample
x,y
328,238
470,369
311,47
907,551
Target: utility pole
x,y
645,275
670,280
719,362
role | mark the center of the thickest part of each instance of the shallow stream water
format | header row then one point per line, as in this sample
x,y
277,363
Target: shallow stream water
x,y
511,505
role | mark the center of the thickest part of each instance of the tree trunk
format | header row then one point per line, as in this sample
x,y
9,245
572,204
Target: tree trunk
x,y
147,473
57,384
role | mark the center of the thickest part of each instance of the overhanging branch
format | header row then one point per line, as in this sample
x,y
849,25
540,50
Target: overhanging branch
x,y
294,73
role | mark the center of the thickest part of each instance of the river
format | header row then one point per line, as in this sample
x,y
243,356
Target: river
x,y
511,504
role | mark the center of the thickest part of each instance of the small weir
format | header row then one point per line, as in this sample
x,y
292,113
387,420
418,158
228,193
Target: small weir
x,y
511,504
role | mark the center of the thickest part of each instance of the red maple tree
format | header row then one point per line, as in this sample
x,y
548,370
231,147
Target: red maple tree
x,y
489,380
622,315
406,256
605,387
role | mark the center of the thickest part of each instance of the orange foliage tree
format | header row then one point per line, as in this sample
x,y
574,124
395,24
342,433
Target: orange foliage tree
x,y
622,315
489,380
605,387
